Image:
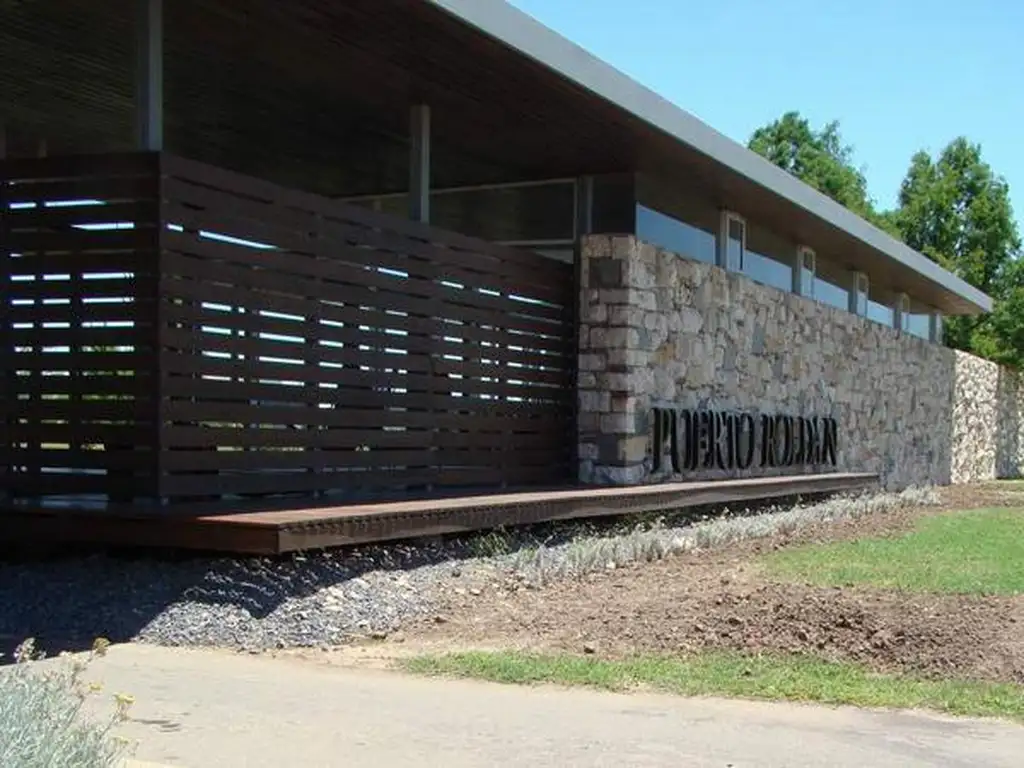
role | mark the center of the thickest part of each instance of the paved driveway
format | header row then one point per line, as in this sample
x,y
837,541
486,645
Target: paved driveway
x,y
199,709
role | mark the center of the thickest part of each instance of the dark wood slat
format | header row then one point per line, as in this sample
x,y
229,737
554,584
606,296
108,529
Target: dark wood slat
x,y
527,419
78,337
305,235
100,166
83,361
357,481
143,213
78,459
417,341
84,384
180,372
53,483
82,433
83,261
82,410
417,296
176,436
256,189
349,392
117,188
95,288
96,240
327,460
378,358
555,338
74,312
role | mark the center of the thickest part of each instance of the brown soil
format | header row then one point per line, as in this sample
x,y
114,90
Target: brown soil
x,y
720,600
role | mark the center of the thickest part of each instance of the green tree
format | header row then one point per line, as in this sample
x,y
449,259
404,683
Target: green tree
x,y
821,159
956,211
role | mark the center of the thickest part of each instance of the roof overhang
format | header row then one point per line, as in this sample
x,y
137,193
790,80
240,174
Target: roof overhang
x,y
315,94
754,177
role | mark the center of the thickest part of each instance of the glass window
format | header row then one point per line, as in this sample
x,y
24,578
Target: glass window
x,y
807,270
677,216
674,235
919,319
735,242
830,284
544,211
880,313
882,304
768,258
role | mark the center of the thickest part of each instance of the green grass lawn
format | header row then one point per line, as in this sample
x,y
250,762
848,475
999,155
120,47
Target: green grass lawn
x,y
795,678
978,552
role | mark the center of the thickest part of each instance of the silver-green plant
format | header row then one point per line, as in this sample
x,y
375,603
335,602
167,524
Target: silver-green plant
x,y
656,541
42,718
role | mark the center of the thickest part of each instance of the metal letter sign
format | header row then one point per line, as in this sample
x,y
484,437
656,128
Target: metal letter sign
x,y
731,440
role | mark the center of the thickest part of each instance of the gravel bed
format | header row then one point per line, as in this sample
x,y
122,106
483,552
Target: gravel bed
x,y
248,604
328,598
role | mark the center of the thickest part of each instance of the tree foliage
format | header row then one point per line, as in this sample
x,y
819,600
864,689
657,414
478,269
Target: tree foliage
x,y
956,211
821,159
953,208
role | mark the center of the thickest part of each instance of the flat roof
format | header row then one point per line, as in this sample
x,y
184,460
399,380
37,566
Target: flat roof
x,y
516,29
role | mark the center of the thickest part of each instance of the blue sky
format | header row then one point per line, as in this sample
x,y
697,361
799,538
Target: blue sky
x,y
899,75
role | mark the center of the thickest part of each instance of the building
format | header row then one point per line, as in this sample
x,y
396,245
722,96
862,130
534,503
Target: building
x,y
398,246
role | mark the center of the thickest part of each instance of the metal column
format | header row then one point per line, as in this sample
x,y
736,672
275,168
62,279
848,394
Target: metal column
x,y
149,95
419,163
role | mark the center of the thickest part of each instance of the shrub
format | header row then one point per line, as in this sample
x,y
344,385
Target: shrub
x,y
42,724
656,541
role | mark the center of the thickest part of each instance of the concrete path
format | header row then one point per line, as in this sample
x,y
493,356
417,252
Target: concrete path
x,y
199,709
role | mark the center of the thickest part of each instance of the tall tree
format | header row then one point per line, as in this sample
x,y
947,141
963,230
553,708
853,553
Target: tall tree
x,y
956,211
819,158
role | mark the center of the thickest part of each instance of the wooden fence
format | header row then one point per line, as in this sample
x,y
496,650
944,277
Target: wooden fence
x,y
270,342
78,278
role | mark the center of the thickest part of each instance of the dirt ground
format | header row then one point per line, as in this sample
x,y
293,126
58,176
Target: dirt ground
x,y
719,600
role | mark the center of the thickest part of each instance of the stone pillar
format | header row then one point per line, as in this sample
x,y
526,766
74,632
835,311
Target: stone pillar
x,y
616,295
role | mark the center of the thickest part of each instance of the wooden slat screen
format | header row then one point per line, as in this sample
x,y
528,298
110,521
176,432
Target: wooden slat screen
x,y
78,265
313,346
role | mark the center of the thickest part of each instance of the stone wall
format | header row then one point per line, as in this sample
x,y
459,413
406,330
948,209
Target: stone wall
x,y
658,330
988,421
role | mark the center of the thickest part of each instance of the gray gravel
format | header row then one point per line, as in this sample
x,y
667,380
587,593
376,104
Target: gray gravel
x,y
244,603
327,598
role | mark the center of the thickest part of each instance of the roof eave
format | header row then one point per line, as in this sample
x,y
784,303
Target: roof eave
x,y
518,30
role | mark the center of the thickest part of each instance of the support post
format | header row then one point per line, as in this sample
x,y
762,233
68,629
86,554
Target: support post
x,y
935,327
732,241
584,214
149,87
901,313
804,270
858,293
419,163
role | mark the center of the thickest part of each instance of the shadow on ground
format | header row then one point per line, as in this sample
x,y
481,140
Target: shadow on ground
x,y
66,601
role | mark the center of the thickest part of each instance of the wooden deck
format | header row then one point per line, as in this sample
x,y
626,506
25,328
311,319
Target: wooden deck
x,y
249,530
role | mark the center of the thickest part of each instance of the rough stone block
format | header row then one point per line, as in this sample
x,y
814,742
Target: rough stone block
x,y
595,401
617,424
607,273
633,449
